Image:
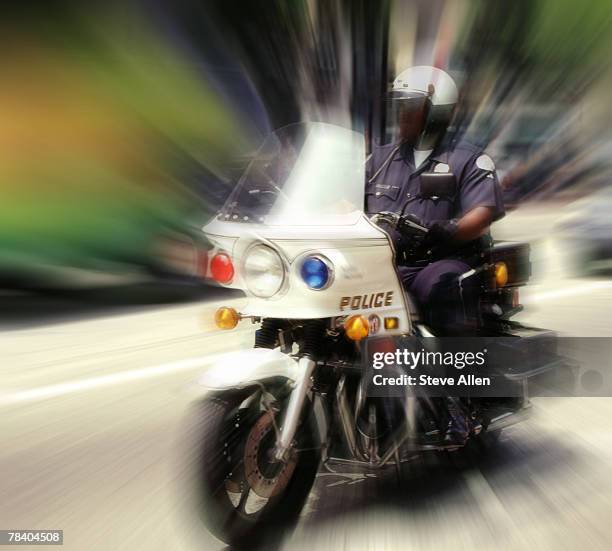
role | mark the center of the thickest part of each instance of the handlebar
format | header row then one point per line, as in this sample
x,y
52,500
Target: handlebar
x,y
403,224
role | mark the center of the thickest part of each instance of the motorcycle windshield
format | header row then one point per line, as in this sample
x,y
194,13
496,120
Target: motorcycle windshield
x,y
303,174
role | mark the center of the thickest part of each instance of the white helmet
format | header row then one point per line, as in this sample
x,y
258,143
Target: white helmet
x,y
425,82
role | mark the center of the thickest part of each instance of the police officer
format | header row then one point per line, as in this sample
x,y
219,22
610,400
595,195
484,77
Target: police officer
x,y
451,189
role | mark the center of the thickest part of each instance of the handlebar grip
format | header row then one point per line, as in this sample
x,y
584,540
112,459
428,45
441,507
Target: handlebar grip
x,y
413,225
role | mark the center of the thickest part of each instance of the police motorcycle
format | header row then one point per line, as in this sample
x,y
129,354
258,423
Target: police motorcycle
x,y
320,278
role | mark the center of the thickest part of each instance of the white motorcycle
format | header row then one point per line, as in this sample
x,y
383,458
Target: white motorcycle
x,y
320,277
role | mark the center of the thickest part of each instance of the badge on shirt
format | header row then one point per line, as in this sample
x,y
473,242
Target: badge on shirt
x,y
484,162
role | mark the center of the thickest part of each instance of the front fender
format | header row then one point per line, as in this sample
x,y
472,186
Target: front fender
x,y
244,368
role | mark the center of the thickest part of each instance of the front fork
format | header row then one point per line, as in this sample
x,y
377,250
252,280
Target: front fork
x,y
294,408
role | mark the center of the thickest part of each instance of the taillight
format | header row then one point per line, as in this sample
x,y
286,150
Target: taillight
x,y
221,268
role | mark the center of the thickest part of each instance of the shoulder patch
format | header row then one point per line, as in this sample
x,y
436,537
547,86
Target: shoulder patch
x,y
485,162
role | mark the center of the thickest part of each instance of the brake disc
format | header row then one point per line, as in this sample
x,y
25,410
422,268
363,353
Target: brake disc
x,y
266,476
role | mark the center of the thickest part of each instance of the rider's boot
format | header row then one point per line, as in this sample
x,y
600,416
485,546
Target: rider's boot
x,y
459,424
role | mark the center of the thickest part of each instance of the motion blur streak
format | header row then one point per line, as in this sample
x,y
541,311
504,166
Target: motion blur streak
x,y
578,289
53,391
140,117
110,133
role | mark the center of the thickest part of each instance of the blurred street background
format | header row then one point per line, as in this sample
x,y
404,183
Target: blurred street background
x,y
124,127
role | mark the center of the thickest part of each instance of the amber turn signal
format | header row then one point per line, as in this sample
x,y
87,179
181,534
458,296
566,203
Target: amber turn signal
x,y
501,274
391,323
226,318
356,328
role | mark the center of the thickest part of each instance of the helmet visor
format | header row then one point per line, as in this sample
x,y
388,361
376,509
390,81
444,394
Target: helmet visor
x,y
404,116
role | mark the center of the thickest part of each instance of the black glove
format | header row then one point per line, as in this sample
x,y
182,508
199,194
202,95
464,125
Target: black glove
x,y
441,233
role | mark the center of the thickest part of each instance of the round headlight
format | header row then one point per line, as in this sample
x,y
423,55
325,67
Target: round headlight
x,y
264,271
316,272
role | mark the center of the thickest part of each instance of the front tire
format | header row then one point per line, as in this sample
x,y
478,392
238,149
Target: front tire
x,y
243,496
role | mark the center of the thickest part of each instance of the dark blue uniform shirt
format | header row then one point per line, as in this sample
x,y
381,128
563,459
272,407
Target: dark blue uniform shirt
x,y
393,184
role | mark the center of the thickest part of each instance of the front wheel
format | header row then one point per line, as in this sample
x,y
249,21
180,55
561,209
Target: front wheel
x,y
244,495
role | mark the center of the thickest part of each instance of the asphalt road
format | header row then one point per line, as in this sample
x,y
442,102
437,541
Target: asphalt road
x,y
91,402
